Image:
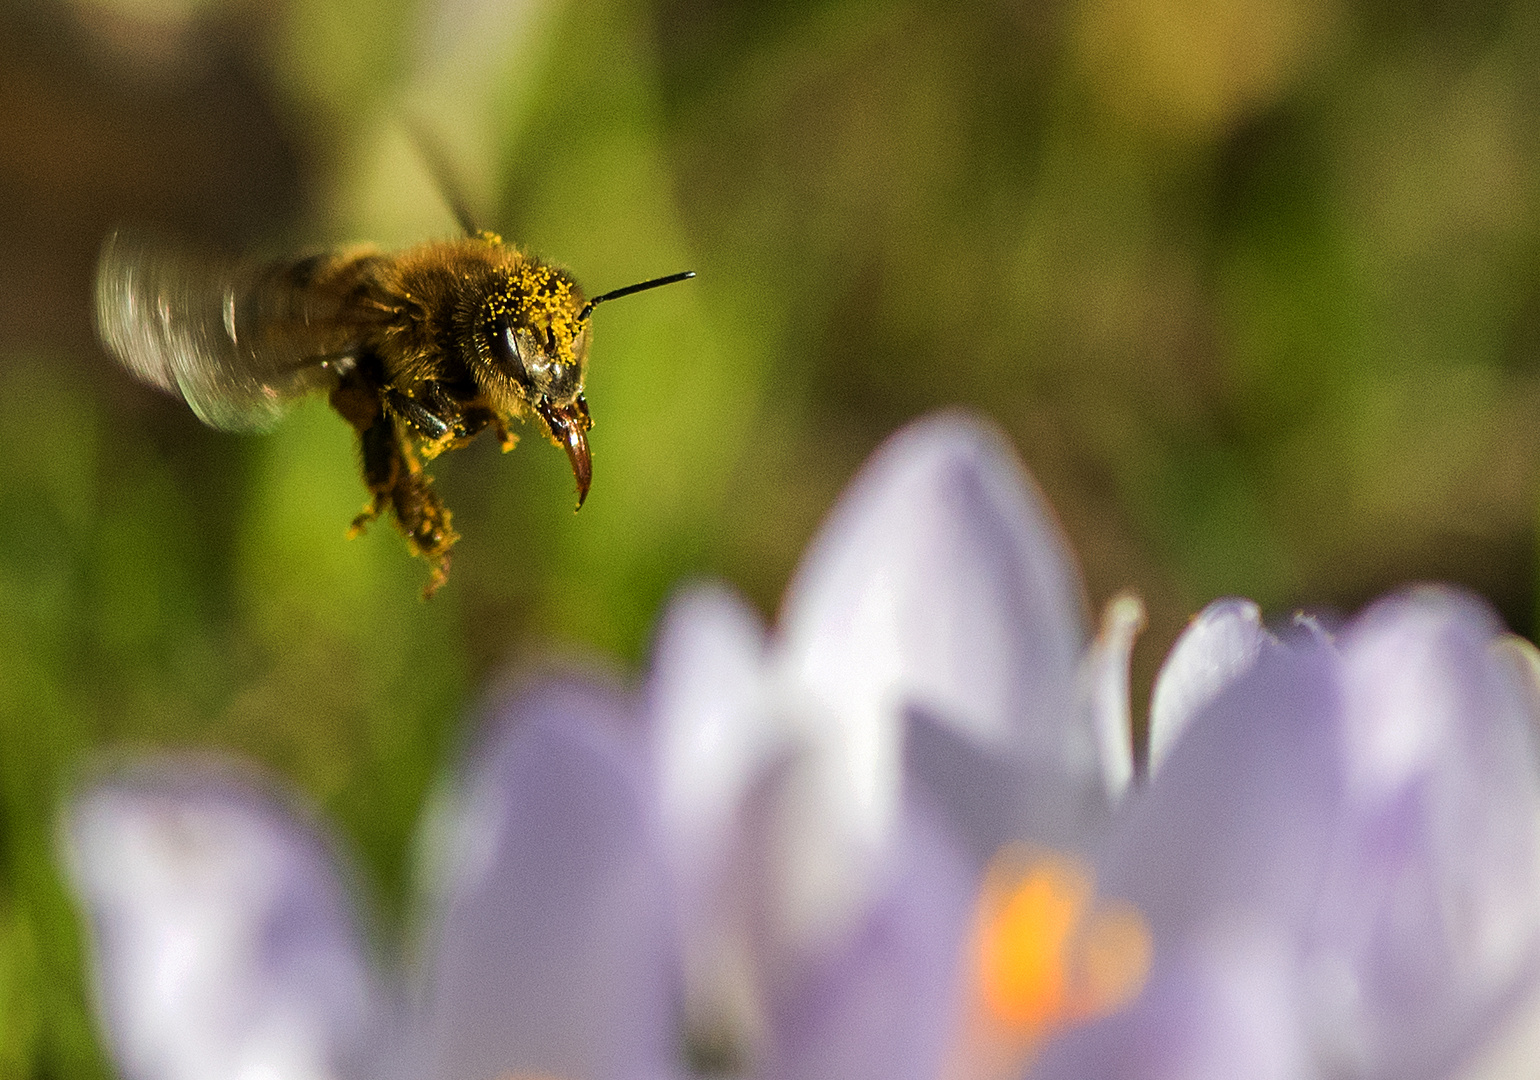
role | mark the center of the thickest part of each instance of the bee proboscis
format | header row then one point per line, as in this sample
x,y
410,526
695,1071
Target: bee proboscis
x,y
419,350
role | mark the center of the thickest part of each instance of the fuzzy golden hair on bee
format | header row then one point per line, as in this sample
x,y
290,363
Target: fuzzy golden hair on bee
x,y
419,351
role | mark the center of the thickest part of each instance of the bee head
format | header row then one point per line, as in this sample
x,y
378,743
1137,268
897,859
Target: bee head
x,y
537,339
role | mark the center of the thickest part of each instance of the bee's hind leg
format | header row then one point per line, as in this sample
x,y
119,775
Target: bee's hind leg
x,y
422,516
396,480
383,467
359,405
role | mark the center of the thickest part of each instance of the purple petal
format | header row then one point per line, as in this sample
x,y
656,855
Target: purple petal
x,y
984,800
223,939
941,582
1430,920
942,579
553,953
882,1003
1373,815
1512,1052
1223,1009
1224,858
712,727
1241,818
714,735
987,800
1218,647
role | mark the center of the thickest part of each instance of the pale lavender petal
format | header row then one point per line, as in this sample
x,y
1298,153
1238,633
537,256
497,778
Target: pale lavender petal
x,y
553,952
883,1002
1522,661
1106,683
941,581
1373,812
1223,1009
714,735
1224,858
986,800
1218,646
1429,924
713,730
223,941
1241,819
1512,1051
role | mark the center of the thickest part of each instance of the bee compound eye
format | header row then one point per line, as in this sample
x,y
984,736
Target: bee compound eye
x,y
505,345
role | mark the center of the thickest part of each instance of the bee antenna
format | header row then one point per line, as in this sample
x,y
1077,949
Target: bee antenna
x,y
588,308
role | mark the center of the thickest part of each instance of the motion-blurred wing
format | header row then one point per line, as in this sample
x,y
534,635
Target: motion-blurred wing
x,y
237,341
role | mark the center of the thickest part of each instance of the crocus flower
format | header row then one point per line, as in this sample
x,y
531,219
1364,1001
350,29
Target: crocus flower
x,y
897,836
1359,897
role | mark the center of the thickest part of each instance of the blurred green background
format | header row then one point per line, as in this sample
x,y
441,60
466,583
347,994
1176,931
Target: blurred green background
x,y
1254,285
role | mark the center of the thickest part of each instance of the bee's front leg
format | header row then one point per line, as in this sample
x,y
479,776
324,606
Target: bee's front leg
x,y
429,424
435,416
475,419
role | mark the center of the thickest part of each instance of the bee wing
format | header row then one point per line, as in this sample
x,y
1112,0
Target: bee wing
x,y
237,341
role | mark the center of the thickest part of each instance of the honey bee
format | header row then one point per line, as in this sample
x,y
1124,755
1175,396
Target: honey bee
x,y
419,350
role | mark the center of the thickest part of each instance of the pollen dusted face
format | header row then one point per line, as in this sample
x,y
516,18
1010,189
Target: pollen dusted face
x,y
536,335
538,339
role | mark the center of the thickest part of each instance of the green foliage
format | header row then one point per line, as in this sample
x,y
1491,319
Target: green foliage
x,y
1254,291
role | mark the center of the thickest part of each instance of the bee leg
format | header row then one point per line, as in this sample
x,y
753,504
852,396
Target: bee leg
x,y
424,519
438,420
474,420
383,466
507,439
396,480
359,404
414,412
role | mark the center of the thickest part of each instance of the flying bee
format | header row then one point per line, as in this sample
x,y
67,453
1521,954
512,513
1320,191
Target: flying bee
x,y
419,350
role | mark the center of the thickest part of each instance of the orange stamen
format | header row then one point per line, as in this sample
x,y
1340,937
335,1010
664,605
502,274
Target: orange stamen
x,y
1023,935
1046,956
